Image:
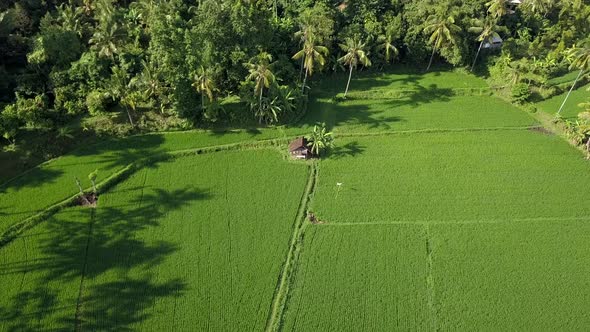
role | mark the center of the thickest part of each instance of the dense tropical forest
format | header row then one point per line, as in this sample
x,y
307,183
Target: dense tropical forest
x,y
121,67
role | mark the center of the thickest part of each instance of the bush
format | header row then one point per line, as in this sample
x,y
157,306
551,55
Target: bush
x,y
97,102
520,93
531,108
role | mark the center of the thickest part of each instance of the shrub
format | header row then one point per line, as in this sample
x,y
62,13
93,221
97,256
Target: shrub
x,y
97,102
520,93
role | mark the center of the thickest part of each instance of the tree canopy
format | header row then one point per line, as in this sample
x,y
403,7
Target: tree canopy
x,y
176,61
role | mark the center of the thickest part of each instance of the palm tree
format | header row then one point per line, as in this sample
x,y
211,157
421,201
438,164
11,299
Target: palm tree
x,y
487,31
267,111
303,34
151,81
104,40
386,44
260,72
311,54
537,6
320,139
355,54
120,88
69,17
441,32
497,8
579,58
92,177
204,84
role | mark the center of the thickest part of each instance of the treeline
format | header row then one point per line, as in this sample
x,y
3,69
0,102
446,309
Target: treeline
x,y
175,63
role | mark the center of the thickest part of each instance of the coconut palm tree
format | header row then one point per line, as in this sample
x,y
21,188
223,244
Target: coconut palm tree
x,y
537,6
204,84
320,139
259,69
304,33
104,41
385,43
70,18
311,54
120,88
150,80
92,177
487,30
355,54
579,58
497,8
441,30
268,110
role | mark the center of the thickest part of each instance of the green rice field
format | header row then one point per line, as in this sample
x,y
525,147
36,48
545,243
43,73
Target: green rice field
x,y
197,235
455,211
439,177
571,109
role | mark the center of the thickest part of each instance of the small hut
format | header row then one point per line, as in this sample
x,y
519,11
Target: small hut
x,y
495,42
298,148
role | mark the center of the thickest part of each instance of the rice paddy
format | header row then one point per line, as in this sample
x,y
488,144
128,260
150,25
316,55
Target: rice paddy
x,y
454,212
570,109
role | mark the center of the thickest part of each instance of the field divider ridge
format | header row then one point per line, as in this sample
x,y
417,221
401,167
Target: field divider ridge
x,y
434,131
275,315
451,222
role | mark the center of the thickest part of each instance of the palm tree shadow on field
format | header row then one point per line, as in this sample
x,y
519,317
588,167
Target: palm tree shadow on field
x,y
350,112
110,244
351,149
112,153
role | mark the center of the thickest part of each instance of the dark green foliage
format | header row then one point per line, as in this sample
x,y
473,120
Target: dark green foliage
x,y
61,62
520,93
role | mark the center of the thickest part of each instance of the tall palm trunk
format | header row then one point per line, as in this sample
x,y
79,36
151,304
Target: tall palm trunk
x,y
431,57
260,104
129,116
304,79
476,55
433,51
348,84
569,92
302,67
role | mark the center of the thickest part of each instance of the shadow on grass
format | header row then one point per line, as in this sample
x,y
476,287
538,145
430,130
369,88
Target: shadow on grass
x,y
112,153
375,114
112,257
351,149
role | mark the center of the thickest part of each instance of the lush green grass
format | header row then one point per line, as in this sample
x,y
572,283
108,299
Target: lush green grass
x,y
397,77
566,78
54,181
438,177
407,100
571,108
41,273
527,276
457,227
429,107
361,278
416,113
192,244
